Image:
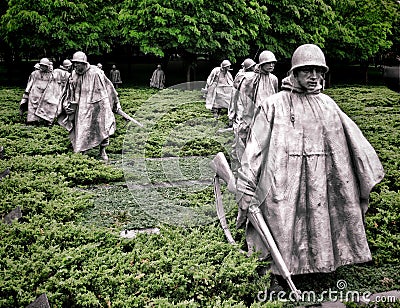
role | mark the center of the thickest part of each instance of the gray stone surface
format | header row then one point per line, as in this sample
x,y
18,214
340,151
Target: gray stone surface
x,y
133,233
14,214
40,302
4,173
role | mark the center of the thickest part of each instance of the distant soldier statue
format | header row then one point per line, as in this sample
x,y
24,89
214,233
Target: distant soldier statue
x,y
309,170
157,79
219,88
115,77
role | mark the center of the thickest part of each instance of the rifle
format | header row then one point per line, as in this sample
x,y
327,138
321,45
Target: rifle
x,y
225,173
221,167
128,117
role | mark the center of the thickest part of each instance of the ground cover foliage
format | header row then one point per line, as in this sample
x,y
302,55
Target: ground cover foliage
x,y
74,207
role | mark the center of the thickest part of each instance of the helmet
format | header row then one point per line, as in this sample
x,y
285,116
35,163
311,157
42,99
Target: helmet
x,y
45,61
67,63
248,63
308,54
225,63
79,56
266,56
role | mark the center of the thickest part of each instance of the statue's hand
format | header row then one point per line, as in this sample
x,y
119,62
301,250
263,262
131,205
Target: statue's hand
x,y
22,106
244,204
21,111
69,109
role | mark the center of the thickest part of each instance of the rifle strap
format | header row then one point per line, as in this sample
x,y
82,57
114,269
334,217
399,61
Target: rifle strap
x,y
220,210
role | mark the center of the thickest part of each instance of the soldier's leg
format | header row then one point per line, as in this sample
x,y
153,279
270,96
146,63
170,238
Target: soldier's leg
x,y
103,146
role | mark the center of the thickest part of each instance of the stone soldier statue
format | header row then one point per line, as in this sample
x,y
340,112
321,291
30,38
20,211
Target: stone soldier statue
x,y
61,76
157,79
256,88
248,66
115,77
219,88
40,97
309,170
264,83
88,105
241,110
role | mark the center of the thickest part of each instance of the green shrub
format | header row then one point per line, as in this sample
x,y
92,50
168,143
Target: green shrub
x,y
67,245
83,267
76,169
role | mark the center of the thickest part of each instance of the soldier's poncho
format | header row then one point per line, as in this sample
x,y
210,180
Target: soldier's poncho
x,y
61,76
240,112
311,170
219,89
89,102
260,86
235,105
255,88
41,97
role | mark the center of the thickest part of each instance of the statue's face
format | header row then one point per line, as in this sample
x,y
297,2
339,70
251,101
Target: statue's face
x,y
268,67
308,77
80,67
43,68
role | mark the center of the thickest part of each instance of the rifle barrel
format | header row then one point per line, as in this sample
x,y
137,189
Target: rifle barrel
x,y
257,220
128,117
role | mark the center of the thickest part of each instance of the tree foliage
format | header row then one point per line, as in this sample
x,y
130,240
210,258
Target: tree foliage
x,y
297,22
395,36
361,29
55,27
225,29
352,30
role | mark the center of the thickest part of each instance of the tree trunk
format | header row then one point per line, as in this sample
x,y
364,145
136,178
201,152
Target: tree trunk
x,y
364,70
188,69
